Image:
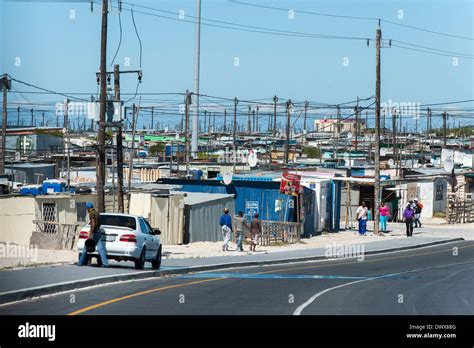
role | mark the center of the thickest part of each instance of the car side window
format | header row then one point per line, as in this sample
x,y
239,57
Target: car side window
x,y
143,226
149,227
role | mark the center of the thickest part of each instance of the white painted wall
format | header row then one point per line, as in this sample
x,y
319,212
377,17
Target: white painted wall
x,y
16,219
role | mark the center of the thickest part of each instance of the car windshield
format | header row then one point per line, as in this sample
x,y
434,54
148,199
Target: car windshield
x,y
117,220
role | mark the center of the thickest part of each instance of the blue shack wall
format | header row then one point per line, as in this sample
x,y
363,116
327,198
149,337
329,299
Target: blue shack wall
x,y
266,195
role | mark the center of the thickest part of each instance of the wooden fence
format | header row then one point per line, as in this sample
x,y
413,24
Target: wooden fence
x,y
54,235
274,232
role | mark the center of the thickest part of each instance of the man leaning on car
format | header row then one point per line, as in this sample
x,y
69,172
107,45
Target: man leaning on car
x,y
95,235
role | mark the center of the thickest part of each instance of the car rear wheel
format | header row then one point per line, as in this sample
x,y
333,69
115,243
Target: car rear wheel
x,y
156,262
140,262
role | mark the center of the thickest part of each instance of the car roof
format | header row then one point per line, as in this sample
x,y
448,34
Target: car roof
x,y
120,214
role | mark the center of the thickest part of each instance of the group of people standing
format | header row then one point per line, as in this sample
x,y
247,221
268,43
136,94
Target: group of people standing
x,y
411,216
242,230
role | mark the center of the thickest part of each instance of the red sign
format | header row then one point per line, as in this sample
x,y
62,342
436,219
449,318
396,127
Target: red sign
x,y
290,184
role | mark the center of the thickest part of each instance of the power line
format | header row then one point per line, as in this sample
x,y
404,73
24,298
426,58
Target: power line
x,y
120,39
242,27
138,36
44,89
430,52
353,17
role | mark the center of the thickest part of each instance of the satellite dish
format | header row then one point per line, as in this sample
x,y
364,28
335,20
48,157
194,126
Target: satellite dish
x,y
227,178
391,162
177,136
349,135
383,151
448,165
252,159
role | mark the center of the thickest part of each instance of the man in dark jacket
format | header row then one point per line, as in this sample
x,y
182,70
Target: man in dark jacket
x,y
417,207
95,235
255,231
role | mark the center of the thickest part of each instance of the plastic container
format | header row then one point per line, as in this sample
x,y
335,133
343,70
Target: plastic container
x,y
31,190
53,186
196,174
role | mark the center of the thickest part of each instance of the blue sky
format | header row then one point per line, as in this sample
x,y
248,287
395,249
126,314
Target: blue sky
x,y
62,54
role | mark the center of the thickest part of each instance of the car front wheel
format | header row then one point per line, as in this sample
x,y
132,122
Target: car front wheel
x,y
140,262
156,262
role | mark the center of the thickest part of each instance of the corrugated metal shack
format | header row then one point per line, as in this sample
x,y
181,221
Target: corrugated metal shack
x,y
201,216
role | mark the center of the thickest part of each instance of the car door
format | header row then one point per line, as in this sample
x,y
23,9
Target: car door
x,y
154,240
147,239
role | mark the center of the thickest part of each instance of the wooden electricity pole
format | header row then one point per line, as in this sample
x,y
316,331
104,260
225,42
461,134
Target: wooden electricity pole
x,y
249,126
6,85
67,142
275,100
288,120
305,113
236,101
394,139
444,129
225,120
186,130
357,128
375,213
132,148
103,94
121,207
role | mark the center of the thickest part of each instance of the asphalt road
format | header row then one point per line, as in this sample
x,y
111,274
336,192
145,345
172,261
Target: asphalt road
x,y
435,280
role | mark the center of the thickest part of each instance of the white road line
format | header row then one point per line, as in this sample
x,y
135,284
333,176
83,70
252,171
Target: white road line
x,y
315,296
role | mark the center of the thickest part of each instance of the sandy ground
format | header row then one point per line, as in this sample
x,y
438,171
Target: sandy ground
x,y
432,228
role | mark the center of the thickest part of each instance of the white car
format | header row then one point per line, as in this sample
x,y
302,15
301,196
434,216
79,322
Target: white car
x,y
127,238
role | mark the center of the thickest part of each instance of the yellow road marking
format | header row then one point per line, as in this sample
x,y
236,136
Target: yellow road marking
x,y
101,304
105,303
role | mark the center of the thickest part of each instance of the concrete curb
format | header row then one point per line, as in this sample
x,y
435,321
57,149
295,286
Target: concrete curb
x,y
22,294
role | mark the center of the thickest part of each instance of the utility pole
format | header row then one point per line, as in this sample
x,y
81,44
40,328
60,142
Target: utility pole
x,y
338,121
236,101
152,118
186,130
121,207
357,125
257,127
275,100
197,58
249,126
32,117
225,120
444,128
254,128
206,129
18,116
288,120
305,113
394,139
103,95
66,130
271,147
6,85
377,133
214,122
132,148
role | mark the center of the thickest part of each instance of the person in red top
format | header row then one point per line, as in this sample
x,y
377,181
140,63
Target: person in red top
x,y
384,215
